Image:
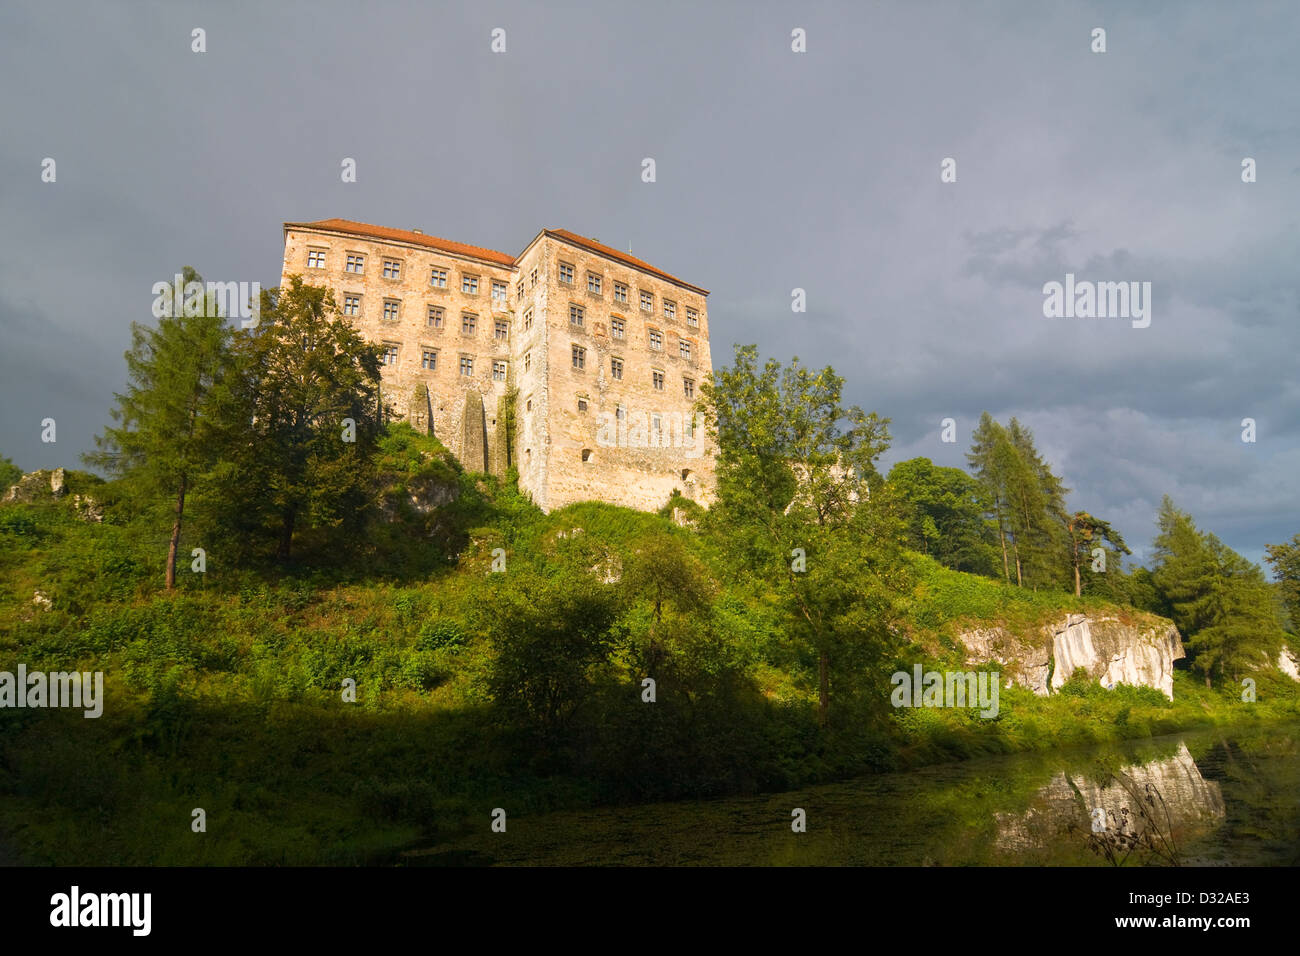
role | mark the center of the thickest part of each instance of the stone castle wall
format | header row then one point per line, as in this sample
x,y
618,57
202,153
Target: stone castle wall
x,y
611,450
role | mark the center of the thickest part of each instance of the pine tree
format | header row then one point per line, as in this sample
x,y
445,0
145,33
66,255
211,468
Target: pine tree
x,y
179,374
1285,559
989,460
1218,599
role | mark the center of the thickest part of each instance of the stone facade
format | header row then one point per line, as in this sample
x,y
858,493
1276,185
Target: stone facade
x,y
605,355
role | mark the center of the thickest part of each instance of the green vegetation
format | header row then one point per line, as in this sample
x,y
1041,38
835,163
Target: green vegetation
x,y
501,656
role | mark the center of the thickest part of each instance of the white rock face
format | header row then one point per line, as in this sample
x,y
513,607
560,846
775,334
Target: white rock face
x,y
1116,653
1023,662
1288,664
1111,651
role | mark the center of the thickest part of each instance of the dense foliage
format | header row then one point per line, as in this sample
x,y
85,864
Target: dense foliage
x,y
502,656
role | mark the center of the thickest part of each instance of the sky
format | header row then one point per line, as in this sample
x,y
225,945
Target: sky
x,y
775,170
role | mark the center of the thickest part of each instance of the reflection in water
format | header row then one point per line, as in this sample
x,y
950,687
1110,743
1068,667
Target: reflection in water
x,y
1225,801
1162,802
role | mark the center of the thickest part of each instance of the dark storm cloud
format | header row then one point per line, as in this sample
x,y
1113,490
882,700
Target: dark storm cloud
x,y
775,171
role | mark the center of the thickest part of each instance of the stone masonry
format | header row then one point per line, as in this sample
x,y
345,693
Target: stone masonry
x,y
605,355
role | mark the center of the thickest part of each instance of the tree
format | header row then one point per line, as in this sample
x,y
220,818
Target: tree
x,y
943,510
1041,517
179,375
309,416
795,471
548,631
1218,599
1285,559
10,474
990,460
1026,499
662,572
1086,533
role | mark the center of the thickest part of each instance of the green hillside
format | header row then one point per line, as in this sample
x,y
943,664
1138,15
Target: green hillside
x,y
474,688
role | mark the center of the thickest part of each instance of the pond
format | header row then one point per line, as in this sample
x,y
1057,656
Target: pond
x,y
1207,798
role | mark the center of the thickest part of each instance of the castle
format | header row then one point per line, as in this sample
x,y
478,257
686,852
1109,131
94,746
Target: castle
x,y
595,357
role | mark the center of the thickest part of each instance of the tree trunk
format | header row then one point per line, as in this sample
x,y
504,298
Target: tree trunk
x,y
1002,536
286,535
176,536
1078,587
823,688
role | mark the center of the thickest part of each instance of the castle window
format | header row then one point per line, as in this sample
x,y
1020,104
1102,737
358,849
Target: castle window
x,y
498,371
356,263
684,349
438,278
532,279
390,353
616,327
429,359
657,427
656,339
351,305
435,317
519,292
528,361
593,283
499,291
620,292
469,284
528,406
582,404
588,455
670,310
658,379
501,330
575,316
688,387
566,273
579,357
315,258
620,413
528,320
392,269
692,318
647,301
468,323
391,308
466,366
616,367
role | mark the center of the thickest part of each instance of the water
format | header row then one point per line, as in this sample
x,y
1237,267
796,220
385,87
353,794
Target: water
x,y
1213,798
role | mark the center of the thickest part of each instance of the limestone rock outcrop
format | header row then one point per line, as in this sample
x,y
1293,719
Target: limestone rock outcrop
x,y
1110,650
1288,664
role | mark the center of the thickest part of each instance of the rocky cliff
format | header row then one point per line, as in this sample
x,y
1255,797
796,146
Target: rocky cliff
x,y
1111,650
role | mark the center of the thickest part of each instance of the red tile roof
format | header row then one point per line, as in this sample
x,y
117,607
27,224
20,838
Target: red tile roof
x,y
404,235
593,246
478,252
